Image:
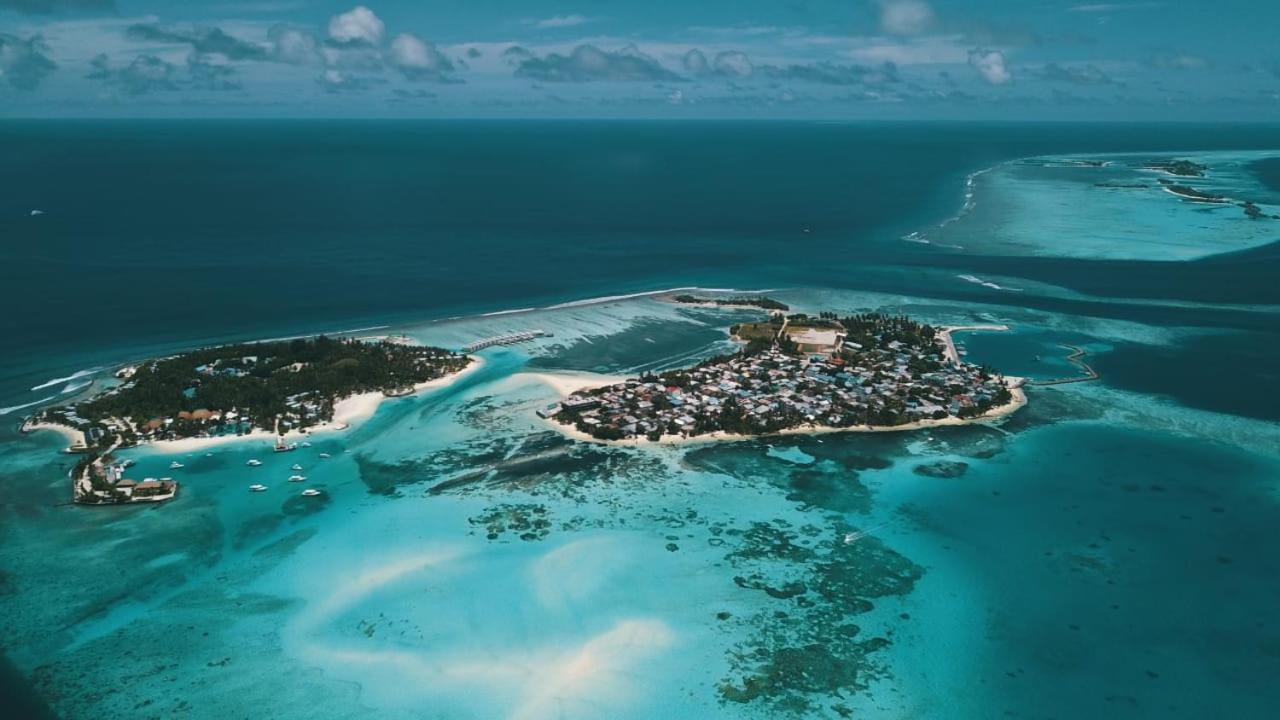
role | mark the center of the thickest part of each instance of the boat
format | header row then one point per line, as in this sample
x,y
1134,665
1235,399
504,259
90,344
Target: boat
x,y
324,455
281,447
297,478
310,492
257,488
254,462
305,444
175,465
296,467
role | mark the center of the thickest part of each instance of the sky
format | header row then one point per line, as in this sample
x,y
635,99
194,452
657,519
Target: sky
x,y
1172,60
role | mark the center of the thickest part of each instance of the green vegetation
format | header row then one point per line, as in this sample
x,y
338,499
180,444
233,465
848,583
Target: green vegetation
x,y
1182,168
282,385
1191,193
764,303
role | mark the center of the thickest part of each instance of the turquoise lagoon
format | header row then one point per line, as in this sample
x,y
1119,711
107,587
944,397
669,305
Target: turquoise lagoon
x,y
1108,551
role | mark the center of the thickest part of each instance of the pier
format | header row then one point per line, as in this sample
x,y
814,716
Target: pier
x,y
949,350
508,339
1075,359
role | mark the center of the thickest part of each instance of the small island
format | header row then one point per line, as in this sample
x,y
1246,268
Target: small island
x,y
1181,168
1187,192
762,302
231,391
800,374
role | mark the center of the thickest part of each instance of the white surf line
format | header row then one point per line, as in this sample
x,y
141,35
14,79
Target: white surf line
x,y
13,408
73,376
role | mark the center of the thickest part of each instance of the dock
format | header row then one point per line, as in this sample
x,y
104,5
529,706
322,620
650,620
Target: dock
x,y
1075,359
508,339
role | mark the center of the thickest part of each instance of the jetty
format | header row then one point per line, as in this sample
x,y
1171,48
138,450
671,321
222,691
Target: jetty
x,y
1075,358
508,339
949,344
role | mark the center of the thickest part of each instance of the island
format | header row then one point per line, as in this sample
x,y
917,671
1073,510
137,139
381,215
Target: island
x,y
231,391
799,373
762,302
1181,168
1189,193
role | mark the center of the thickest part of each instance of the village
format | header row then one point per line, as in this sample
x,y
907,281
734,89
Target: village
x,y
859,372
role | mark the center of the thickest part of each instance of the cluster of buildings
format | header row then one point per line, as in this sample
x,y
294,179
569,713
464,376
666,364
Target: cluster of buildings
x,y
824,381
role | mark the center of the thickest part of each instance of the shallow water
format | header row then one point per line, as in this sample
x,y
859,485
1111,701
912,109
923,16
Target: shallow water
x,y
1104,552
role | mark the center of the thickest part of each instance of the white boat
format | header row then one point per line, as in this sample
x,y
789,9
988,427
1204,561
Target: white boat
x,y
175,465
306,444
254,462
310,492
296,478
257,488
297,467
324,455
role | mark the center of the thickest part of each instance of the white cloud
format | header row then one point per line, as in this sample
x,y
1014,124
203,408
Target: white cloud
x,y
732,63
409,51
990,65
558,21
417,58
358,25
295,46
1112,7
905,17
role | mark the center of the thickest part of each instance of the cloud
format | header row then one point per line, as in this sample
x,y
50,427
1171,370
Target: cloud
x,y
51,7
695,63
733,64
295,47
24,63
1178,61
1088,74
905,17
335,81
827,73
211,72
1112,7
587,63
203,40
990,65
358,26
417,59
558,21
145,74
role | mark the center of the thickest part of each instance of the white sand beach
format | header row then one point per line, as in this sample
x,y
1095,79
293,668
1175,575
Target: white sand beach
x,y
74,437
346,412
567,383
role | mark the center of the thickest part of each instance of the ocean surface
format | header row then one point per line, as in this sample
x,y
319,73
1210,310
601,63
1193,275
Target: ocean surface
x,y
1108,551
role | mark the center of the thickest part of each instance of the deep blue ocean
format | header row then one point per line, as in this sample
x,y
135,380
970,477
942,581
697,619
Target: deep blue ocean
x,y
170,233
1108,548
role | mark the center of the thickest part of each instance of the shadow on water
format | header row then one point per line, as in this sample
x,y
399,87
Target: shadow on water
x,y
20,702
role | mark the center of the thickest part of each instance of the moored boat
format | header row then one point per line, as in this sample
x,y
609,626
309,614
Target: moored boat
x,y
296,478
257,488
254,462
310,492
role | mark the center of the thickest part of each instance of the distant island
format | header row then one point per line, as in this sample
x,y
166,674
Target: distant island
x,y
1181,168
800,373
764,303
230,391
1189,193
